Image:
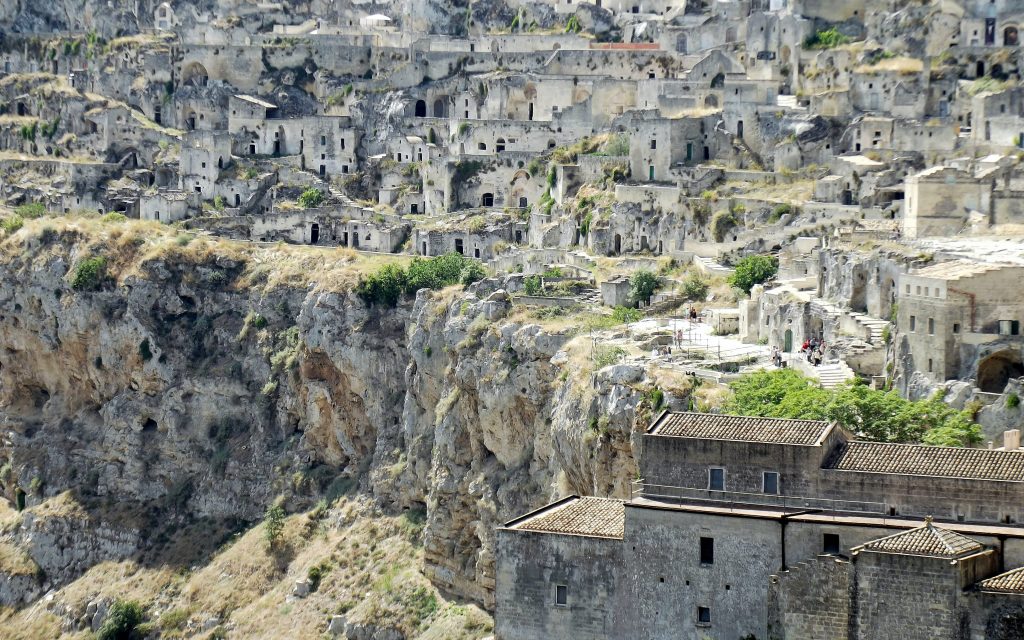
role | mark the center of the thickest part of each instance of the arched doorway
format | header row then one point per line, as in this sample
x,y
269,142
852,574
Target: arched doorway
x,y
979,69
681,43
421,108
440,108
997,369
487,200
787,345
718,81
1010,37
195,74
711,102
314,233
618,244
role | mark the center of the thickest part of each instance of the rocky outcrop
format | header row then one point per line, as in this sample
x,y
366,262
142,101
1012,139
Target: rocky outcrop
x,y
192,383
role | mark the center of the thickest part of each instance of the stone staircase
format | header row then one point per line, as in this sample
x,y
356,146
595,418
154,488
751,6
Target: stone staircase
x,y
833,374
869,329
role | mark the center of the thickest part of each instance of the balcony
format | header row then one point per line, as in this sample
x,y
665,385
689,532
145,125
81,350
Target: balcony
x,y
735,500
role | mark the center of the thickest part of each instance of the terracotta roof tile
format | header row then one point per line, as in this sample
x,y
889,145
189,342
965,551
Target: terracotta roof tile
x,y
710,426
920,460
1009,582
598,517
928,540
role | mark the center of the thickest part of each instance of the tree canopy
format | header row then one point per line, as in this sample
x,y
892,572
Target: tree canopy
x,y
876,415
753,270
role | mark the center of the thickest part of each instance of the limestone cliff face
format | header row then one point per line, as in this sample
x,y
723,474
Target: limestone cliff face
x,y
195,383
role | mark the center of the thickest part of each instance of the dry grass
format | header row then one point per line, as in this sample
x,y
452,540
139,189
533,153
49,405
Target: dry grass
x,y
133,245
900,65
797,192
15,562
370,567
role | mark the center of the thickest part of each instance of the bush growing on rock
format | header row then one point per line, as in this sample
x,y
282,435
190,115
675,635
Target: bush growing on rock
x,y
12,224
387,285
122,619
89,274
311,198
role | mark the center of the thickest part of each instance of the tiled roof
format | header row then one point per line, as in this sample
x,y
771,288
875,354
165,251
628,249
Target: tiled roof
x,y
711,426
1009,582
919,460
598,517
928,540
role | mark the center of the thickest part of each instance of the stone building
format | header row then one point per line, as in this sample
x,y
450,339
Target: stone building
x,y
962,319
745,527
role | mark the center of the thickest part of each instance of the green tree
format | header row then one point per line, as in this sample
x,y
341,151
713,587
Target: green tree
x,y
311,198
642,285
753,270
871,414
273,522
695,288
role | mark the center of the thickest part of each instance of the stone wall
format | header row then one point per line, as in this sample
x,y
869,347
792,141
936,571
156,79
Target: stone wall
x,y
530,566
811,600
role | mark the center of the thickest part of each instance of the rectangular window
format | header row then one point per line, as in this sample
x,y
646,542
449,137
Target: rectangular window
x,y
913,322
956,327
707,551
716,479
561,595
704,616
931,326
908,289
323,140
654,144
771,482
831,543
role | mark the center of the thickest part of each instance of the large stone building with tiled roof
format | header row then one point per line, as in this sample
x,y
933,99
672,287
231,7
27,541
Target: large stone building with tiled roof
x,y
744,527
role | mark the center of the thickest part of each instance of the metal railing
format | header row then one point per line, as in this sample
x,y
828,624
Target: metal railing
x,y
737,500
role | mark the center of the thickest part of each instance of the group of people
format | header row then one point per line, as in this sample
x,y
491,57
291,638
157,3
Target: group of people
x,y
814,349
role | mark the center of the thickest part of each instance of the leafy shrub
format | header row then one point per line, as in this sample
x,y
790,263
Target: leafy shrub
x,y
642,285
826,39
605,356
722,223
1012,400
122,619
625,315
273,522
387,285
89,274
779,211
311,198
695,288
115,217
12,224
657,398
753,270
31,210
531,285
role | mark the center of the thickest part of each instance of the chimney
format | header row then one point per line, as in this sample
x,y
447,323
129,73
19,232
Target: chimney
x,y
1011,440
